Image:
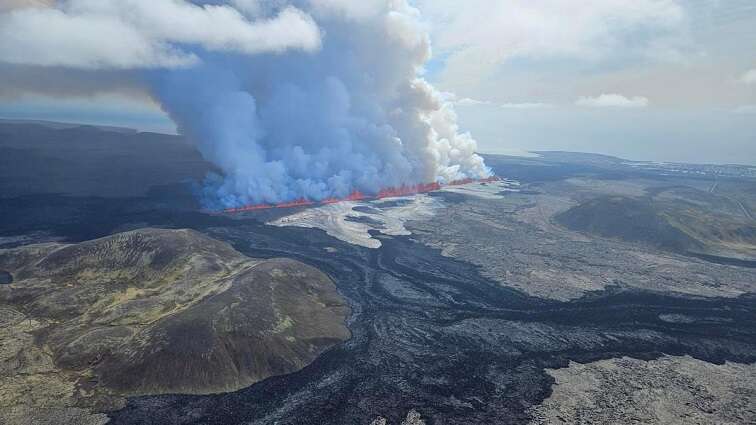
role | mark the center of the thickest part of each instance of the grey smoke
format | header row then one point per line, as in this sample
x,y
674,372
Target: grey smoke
x,y
294,117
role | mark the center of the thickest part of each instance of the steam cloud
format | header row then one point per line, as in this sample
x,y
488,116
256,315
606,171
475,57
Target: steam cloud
x,y
284,114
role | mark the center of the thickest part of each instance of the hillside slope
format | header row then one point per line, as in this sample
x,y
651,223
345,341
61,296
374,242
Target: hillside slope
x,y
151,312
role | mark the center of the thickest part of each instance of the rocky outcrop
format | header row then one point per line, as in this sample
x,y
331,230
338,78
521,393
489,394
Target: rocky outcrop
x,y
151,312
670,390
413,418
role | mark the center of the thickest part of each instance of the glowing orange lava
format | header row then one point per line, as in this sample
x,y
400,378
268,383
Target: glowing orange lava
x,y
389,192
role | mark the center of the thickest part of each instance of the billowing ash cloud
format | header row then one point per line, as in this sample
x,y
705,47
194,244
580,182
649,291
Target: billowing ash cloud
x,y
352,115
289,117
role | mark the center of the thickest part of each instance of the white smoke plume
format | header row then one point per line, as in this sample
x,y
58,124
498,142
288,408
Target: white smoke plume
x,y
286,115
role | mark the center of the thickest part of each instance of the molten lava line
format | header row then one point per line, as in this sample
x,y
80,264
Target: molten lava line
x,y
389,192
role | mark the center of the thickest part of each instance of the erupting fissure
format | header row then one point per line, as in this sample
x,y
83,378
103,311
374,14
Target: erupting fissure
x,y
390,192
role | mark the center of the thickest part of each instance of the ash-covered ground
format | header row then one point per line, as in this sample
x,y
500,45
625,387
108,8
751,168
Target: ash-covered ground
x,y
470,313
431,334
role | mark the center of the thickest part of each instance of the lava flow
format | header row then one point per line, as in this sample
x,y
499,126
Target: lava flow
x,y
389,192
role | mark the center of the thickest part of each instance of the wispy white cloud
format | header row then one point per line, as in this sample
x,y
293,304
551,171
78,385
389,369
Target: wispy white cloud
x,y
749,77
612,101
485,34
7,5
124,34
466,101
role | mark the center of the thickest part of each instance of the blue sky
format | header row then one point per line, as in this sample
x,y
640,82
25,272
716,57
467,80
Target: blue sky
x,y
671,80
645,79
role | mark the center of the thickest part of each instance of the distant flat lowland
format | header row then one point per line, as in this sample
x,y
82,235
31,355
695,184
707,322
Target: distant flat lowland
x,y
40,158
